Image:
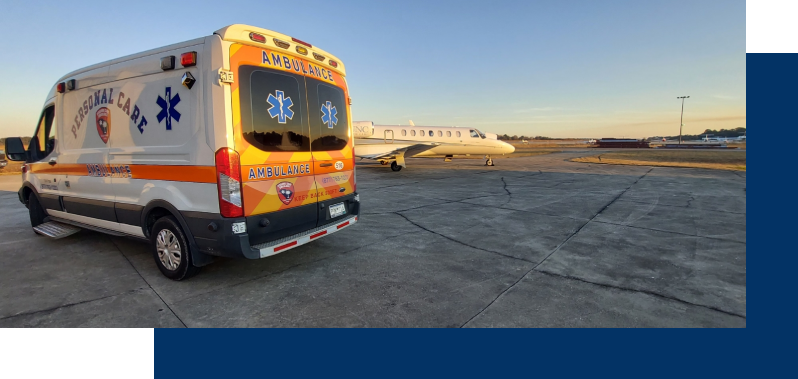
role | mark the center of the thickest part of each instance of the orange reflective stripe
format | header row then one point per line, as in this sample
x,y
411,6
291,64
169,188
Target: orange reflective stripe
x,y
59,169
195,174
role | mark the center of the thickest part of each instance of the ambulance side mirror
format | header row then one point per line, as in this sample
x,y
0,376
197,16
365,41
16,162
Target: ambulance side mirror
x,y
15,150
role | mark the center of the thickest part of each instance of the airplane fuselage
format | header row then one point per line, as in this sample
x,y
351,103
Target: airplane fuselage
x,y
449,141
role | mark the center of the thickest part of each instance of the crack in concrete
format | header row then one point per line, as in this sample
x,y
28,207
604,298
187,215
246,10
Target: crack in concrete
x,y
145,281
462,243
505,187
647,292
556,249
70,304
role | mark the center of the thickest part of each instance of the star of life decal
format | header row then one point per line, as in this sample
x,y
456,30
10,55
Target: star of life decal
x,y
281,107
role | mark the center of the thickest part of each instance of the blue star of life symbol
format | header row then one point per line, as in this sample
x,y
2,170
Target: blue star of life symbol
x,y
328,113
281,107
168,110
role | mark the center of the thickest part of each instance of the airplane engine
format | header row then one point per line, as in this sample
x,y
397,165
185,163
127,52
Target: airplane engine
x,y
363,129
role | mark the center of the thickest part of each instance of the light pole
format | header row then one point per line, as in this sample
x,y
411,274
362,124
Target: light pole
x,y
681,120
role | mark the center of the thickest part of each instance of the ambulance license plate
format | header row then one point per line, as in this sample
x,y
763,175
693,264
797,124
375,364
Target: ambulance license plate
x,y
337,210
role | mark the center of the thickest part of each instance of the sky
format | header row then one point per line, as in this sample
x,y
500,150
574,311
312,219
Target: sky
x,y
537,68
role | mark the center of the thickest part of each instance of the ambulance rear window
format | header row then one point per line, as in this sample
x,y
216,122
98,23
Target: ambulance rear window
x,y
329,124
273,110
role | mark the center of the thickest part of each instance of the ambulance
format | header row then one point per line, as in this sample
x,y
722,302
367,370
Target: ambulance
x,y
238,144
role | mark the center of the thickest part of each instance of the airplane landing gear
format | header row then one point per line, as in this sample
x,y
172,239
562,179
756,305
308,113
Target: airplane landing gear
x,y
383,163
395,166
489,161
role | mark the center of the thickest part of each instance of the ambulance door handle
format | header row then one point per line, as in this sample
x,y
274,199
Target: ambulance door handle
x,y
325,164
52,162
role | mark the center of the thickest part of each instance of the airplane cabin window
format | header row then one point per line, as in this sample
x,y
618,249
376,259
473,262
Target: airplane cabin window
x,y
440,133
458,134
448,134
431,133
413,133
474,134
404,132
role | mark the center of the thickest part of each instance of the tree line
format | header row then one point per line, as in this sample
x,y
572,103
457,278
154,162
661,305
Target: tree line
x,y
515,137
722,133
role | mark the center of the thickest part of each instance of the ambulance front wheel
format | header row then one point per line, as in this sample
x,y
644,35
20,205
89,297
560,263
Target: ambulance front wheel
x,y
395,166
170,249
35,211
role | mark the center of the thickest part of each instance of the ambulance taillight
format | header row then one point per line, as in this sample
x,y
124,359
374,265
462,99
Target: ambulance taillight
x,y
228,178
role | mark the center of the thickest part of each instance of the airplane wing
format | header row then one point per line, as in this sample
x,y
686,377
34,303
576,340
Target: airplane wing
x,y
408,151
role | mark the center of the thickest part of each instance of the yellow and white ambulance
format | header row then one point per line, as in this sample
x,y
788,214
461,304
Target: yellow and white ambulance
x,y
238,144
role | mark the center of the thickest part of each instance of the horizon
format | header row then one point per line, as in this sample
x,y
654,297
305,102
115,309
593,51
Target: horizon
x,y
556,69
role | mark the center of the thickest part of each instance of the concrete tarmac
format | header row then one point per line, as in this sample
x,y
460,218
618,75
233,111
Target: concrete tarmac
x,y
532,242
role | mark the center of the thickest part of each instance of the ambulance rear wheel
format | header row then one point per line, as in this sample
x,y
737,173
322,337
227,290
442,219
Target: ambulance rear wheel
x,y
171,250
35,211
395,166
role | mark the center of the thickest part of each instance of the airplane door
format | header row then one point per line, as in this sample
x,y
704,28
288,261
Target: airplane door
x,y
389,136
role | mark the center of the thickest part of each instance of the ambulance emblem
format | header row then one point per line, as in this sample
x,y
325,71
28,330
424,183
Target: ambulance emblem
x,y
104,123
281,107
285,191
328,113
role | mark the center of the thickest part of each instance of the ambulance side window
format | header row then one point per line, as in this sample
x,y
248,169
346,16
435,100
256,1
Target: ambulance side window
x,y
43,142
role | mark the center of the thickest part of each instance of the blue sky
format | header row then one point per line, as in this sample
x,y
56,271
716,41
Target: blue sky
x,y
552,68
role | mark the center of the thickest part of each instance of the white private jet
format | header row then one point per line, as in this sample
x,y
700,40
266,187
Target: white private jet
x,y
394,143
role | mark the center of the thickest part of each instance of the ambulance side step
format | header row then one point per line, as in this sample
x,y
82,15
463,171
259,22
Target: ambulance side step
x,y
56,230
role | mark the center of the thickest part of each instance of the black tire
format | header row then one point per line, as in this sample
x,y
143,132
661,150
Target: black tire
x,y
395,166
35,210
177,248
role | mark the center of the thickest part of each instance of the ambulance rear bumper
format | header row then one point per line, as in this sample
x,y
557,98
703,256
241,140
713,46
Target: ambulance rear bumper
x,y
213,234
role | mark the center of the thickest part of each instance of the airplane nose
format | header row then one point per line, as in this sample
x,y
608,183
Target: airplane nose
x,y
507,148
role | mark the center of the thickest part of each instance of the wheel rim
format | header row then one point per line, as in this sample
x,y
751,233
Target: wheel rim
x,y
169,251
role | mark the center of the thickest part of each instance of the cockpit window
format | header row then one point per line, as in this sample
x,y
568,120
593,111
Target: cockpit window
x,y
477,134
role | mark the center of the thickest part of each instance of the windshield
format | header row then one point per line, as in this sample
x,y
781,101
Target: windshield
x,y
477,134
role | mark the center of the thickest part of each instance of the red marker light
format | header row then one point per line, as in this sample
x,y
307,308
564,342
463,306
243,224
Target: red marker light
x,y
301,42
188,59
333,63
61,87
257,37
